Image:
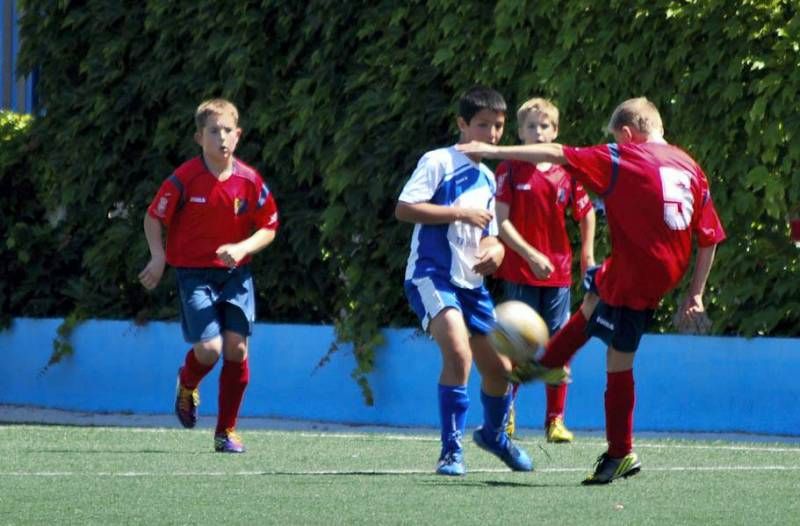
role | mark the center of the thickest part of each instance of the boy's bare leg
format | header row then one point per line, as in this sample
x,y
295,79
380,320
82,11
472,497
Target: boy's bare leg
x,y
494,368
450,333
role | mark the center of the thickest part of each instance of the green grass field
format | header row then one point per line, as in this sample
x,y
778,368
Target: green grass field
x,y
116,475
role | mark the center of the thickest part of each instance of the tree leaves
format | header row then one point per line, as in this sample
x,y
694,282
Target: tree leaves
x,y
339,100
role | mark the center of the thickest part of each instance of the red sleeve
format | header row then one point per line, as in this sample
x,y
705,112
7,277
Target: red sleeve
x,y
266,213
707,226
581,204
504,186
166,201
594,166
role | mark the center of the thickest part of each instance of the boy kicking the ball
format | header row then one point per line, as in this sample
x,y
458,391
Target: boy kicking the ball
x,y
218,213
657,200
450,199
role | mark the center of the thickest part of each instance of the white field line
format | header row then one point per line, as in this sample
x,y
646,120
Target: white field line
x,y
145,474
371,436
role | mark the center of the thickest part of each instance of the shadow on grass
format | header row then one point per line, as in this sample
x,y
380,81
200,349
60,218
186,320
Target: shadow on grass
x,y
110,451
490,483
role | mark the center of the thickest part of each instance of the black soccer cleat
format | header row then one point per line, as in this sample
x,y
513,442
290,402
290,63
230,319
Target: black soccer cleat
x,y
608,469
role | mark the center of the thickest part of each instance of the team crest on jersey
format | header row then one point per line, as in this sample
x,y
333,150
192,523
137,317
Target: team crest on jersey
x,y
239,206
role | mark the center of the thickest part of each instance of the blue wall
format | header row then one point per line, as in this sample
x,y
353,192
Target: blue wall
x,y
683,383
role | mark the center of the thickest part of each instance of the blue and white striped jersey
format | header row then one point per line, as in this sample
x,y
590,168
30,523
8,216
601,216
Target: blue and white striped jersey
x,y
448,177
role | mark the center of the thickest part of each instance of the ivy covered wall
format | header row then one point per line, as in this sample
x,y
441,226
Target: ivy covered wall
x,y
339,100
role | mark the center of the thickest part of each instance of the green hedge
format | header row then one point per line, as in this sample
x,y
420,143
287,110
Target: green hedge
x,y
339,100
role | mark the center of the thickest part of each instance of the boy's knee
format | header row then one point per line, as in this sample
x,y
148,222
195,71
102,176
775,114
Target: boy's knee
x,y
234,347
208,352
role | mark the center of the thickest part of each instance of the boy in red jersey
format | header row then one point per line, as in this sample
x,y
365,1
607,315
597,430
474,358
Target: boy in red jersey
x,y
218,213
531,203
657,199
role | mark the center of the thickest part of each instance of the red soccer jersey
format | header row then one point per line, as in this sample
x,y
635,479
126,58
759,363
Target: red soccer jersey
x,y
537,208
202,213
656,197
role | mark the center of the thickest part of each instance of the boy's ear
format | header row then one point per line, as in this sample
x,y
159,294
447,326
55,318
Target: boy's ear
x,y
626,134
462,124
198,138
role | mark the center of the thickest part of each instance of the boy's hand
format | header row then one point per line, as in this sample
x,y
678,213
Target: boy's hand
x,y
231,254
152,273
478,217
489,258
476,147
691,317
541,266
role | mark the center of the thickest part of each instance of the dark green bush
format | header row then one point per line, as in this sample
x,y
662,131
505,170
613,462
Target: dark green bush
x,y
339,100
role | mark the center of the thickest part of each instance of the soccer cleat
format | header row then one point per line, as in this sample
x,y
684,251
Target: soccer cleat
x,y
511,423
557,433
228,442
513,457
186,402
534,371
607,469
451,463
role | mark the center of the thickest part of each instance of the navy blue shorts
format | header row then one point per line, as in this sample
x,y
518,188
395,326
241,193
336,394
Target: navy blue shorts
x,y
619,327
552,303
214,300
430,295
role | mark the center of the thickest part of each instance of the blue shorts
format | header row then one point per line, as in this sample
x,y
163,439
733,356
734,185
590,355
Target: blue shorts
x,y
430,295
214,300
552,303
619,327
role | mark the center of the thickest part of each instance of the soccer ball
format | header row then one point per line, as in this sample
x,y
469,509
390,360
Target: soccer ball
x,y
519,331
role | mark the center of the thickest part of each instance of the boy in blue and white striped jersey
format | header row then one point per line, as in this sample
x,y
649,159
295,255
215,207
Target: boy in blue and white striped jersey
x,y
451,198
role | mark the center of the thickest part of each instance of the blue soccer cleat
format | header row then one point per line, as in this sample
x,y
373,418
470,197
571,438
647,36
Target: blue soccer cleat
x,y
228,442
186,402
451,463
512,456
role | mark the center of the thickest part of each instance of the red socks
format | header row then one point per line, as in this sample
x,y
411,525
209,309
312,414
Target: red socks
x,y
620,399
232,382
565,342
193,371
556,396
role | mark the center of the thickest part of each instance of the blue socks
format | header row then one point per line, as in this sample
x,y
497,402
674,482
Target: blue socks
x,y
495,414
453,404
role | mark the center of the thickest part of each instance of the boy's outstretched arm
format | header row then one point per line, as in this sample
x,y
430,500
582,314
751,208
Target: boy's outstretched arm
x,y
532,153
151,275
431,214
691,316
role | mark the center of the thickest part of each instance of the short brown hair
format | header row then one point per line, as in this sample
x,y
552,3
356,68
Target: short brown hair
x,y
638,113
215,107
538,105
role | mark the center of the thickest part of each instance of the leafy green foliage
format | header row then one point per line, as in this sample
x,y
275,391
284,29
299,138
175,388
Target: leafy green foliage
x,y
338,102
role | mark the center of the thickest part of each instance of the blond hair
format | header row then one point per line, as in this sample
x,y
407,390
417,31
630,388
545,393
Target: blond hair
x,y
538,105
214,107
638,113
